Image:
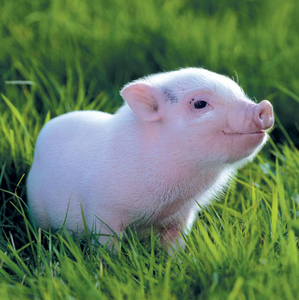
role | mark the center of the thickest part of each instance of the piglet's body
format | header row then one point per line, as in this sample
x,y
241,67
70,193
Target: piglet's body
x,y
175,143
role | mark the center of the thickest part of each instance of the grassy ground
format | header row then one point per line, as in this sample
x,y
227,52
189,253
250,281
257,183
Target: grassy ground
x,y
77,55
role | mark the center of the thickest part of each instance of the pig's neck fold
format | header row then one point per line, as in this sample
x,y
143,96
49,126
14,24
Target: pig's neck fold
x,y
181,187
179,178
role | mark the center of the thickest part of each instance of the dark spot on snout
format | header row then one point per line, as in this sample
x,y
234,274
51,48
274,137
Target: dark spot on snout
x,y
170,96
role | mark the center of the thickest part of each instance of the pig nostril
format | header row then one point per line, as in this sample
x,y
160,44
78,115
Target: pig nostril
x,y
262,116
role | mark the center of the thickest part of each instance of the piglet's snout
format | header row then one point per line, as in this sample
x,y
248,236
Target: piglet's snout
x,y
263,115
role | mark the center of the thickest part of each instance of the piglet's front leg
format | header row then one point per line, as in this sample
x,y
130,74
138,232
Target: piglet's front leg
x,y
171,238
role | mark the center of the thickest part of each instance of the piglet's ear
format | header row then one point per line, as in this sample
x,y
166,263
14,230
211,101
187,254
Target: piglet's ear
x,y
144,101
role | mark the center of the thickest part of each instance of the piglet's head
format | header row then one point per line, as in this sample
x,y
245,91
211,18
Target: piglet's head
x,y
202,114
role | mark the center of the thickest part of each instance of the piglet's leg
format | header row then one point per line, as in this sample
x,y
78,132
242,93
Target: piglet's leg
x,y
171,238
176,225
107,235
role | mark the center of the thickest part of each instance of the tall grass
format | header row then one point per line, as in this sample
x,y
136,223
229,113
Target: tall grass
x,y
245,247
58,56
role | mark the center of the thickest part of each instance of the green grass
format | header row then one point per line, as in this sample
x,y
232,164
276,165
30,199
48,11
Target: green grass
x,y
77,55
245,247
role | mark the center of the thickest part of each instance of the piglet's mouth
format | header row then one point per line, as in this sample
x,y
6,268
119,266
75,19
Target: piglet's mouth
x,y
260,132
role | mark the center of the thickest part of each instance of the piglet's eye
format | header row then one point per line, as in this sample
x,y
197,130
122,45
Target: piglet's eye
x,y
200,104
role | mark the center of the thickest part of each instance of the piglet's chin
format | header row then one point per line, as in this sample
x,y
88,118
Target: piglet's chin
x,y
245,146
253,140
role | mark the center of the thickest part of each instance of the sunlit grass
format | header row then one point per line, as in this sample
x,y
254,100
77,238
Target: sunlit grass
x,y
243,247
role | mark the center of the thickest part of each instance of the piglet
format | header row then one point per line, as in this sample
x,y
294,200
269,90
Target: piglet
x,y
172,147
